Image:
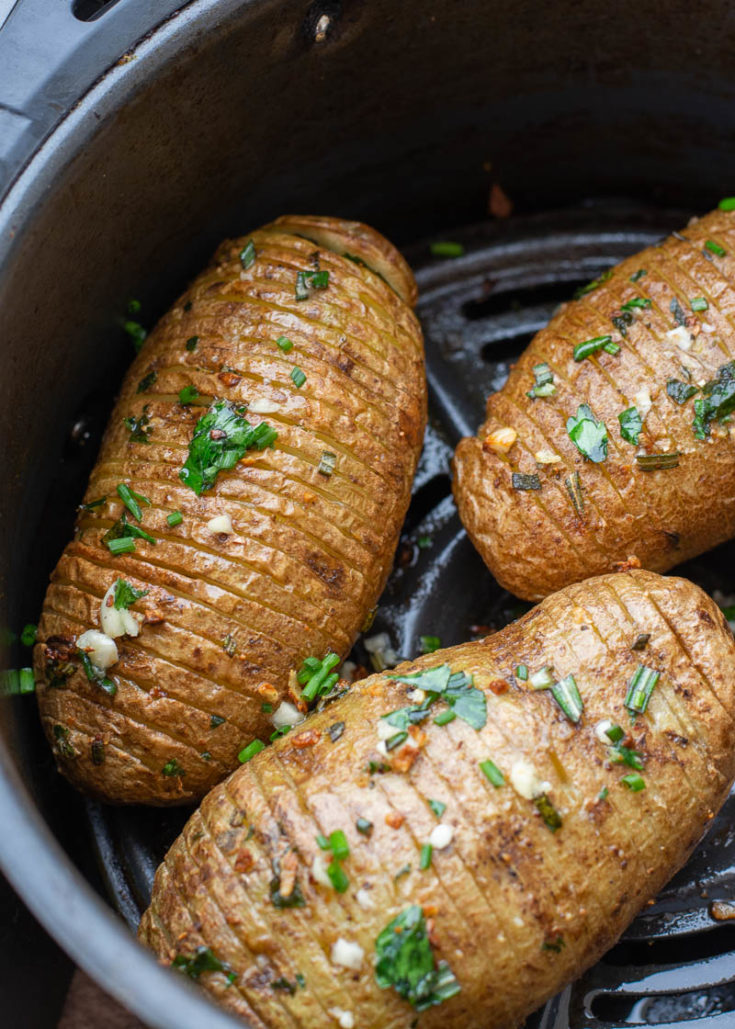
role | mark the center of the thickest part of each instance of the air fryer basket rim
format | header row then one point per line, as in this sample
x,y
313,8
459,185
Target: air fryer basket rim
x,y
30,857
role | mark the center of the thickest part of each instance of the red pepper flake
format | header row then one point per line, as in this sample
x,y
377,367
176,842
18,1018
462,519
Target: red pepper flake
x,y
244,860
498,686
394,819
309,738
625,566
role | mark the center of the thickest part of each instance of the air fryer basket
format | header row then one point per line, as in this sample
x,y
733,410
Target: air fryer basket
x,y
606,126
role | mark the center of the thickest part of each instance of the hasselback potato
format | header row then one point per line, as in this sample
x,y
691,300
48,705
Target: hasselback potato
x,y
469,855
611,440
243,513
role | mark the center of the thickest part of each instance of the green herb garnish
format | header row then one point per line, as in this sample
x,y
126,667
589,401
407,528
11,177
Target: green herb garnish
x,y
727,204
126,595
544,382
698,304
525,482
588,435
521,672
172,768
636,303
188,395
248,255
637,276
641,641
93,504
125,545
444,717
491,772
657,462
215,721
147,381
595,284
406,962
634,782
717,401
445,248
591,346
28,635
97,675
249,752
284,343
566,694
221,437
551,817
175,518
679,391
327,463
640,688
429,644
631,425
192,343
715,248
308,282
136,332
297,377
438,807
202,960
425,857
315,676
675,307
139,427
132,500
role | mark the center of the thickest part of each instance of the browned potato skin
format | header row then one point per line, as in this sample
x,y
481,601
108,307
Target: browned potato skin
x,y
533,541
309,555
506,885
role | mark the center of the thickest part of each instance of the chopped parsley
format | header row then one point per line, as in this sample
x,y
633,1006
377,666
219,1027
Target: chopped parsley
x,y
202,960
126,595
139,426
147,381
679,391
544,382
591,346
406,962
458,690
525,482
727,204
172,768
192,343
588,435
221,437
717,402
631,425
188,395
429,644
136,332
438,807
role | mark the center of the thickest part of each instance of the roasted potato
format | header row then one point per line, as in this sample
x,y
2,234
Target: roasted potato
x,y
610,442
243,513
473,853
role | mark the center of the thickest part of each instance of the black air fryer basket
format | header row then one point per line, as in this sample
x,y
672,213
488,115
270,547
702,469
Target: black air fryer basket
x,y
134,135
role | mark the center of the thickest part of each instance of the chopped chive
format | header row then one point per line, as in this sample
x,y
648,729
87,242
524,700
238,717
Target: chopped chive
x,y
93,504
247,255
438,807
322,841
192,343
634,782
698,304
308,282
401,872
636,276
28,635
602,795
675,307
364,826
445,717
26,682
429,644
544,382
147,381
124,545
615,733
445,248
591,346
640,688
319,680
491,772
522,672
715,248
656,462
551,817
175,518
297,377
284,343
525,482
574,489
396,740
727,204
249,752
172,768
636,302
584,290
327,463
567,695
130,499
338,877
215,721
339,846
626,756
425,859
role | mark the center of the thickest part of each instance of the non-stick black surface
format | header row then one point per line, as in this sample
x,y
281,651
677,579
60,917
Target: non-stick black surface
x,y
676,963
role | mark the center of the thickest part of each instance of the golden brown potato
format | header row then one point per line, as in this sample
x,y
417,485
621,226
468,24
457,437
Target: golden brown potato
x,y
286,552
659,496
548,835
